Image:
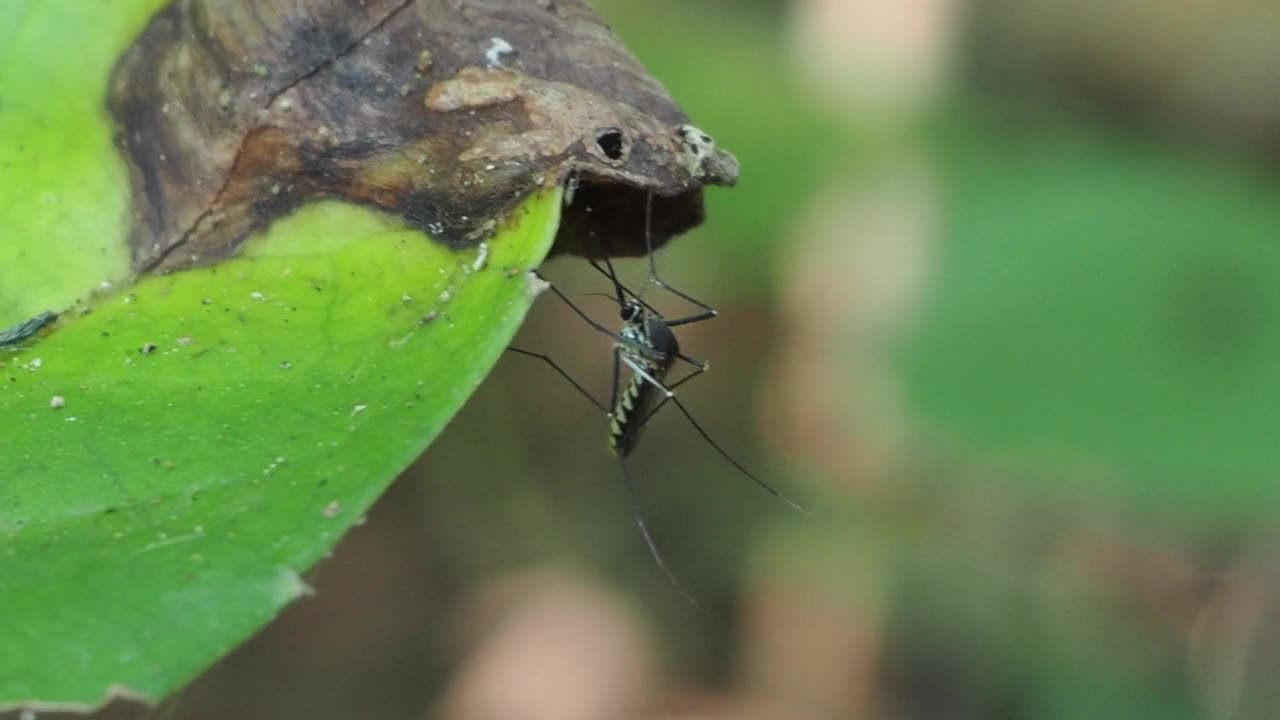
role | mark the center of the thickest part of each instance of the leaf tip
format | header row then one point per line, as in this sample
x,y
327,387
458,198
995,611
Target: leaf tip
x,y
290,586
534,284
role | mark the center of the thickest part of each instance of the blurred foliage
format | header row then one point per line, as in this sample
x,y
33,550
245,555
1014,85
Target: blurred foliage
x,y
1100,296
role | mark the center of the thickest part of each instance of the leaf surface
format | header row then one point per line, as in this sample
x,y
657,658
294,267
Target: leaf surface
x,y
175,452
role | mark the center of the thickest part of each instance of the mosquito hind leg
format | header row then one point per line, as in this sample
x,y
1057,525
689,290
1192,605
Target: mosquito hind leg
x,y
634,502
716,446
654,410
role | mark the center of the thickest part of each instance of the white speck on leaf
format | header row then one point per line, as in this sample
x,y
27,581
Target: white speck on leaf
x,y
482,257
497,48
57,401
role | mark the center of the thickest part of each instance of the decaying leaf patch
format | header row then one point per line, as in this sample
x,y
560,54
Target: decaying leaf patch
x,y
447,113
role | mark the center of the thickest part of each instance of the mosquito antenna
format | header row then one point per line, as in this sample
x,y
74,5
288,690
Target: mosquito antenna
x,y
634,502
733,462
628,291
603,295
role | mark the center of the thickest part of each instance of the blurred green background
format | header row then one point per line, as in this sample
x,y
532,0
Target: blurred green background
x,y
999,302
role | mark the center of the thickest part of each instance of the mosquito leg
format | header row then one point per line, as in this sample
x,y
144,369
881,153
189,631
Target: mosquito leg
x,y
635,367
620,291
597,326
654,411
710,311
729,457
653,263
692,318
634,502
702,365
692,374
564,374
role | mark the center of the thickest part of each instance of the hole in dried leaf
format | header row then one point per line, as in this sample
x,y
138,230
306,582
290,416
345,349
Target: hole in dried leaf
x,y
611,143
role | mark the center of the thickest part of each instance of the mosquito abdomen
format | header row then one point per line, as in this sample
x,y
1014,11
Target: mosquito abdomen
x,y
633,407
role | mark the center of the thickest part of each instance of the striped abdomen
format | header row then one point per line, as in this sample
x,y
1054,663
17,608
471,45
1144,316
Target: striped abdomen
x,y
635,404
652,346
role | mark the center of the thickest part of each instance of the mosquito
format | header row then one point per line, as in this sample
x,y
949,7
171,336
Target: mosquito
x,y
648,348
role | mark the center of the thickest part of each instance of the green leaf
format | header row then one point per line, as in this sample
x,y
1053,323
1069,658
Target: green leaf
x,y
64,192
172,457
220,429
1103,303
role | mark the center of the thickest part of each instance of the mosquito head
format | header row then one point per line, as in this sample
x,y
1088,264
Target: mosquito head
x,y
632,310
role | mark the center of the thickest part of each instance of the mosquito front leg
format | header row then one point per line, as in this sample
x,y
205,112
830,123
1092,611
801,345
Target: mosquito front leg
x,y
564,374
595,325
654,278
